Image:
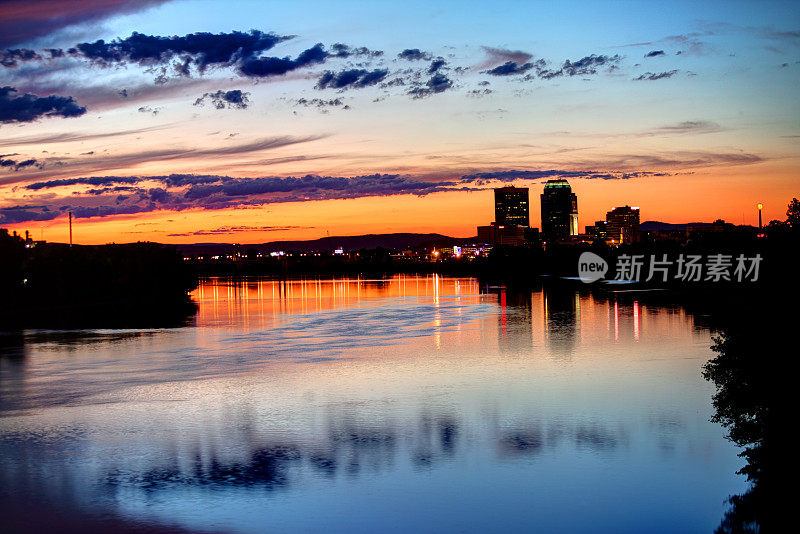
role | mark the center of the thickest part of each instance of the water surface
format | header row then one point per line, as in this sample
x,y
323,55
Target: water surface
x,y
422,404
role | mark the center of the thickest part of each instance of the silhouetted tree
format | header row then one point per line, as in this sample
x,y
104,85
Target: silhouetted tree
x,y
793,213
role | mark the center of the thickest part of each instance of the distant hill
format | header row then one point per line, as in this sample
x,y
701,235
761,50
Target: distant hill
x,y
650,226
398,241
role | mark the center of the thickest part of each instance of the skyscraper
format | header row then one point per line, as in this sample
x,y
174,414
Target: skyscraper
x,y
559,210
622,224
511,206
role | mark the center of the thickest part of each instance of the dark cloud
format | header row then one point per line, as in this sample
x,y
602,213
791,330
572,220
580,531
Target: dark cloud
x,y
654,53
345,51
186,191
319,187
23,20
508,68
438,83
351,78
236,229
28,107
276,66
115,189
588,64
84,212
322,103
234,99
12,57
114,195
414,54
17,214
94,180
179,192
436,64
656,76
201,49
180,56
16,165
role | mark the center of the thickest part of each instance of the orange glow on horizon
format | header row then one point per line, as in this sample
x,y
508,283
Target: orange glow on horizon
x,y
724,193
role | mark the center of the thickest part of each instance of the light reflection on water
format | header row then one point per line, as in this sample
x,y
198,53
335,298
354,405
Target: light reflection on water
x,y
407,404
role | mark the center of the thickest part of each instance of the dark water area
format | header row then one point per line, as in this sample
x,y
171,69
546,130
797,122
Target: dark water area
x,y
410,403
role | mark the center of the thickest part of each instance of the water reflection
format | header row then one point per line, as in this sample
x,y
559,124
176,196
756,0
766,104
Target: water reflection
x,y
361,404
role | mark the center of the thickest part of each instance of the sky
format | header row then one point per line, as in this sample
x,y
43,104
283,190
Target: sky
x,y
207,121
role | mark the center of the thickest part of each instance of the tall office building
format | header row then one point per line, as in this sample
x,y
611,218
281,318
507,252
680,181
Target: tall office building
x,y
622,225
512,218
511,206
559,210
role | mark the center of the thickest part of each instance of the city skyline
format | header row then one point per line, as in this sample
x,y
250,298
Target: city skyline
x,y
305,120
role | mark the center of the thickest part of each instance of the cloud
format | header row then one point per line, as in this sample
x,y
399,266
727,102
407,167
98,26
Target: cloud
x,y
438,83
413,54
179,192
585,66
683,160
656,76
28,107
102,162
345,51
351,78
11,58
201,49
690,41
508,68
17,214
588,64
321,103
509,175
72,136
234,99
654,53
436,64
498,56
689,127
236,229
18,164
276,66
115,195
94,180
22,20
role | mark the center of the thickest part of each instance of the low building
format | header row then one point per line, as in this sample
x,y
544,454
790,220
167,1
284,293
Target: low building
x,y
598,231
501,234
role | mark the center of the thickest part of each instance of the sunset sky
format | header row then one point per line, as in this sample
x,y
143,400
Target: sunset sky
x,y
208,121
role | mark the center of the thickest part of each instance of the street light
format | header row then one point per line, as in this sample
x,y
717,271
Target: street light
x,y
760,207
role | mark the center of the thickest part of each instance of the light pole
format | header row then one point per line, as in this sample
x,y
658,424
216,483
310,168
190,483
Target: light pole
x,y
760,207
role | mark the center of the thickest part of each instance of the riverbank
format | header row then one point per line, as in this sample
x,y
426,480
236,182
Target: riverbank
x,y
57,286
